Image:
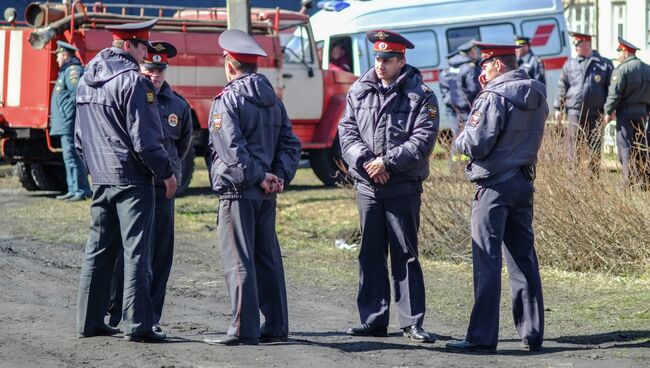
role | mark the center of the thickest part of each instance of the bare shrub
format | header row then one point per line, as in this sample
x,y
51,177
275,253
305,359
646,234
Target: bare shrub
x,y
583,220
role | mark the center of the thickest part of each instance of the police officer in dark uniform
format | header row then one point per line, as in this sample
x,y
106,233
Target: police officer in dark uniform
x,y
387,133
464,66
582,91
252,155
176,119
62,116
502,138
629,98
119,137
527,60
447,81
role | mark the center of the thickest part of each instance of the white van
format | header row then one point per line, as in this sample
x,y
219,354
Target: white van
x,y
437,27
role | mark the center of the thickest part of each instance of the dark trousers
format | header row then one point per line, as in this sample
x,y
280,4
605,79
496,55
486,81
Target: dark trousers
x,y
390,224
502,215
75,173
585,139
632,143
121,222
252,265
161,262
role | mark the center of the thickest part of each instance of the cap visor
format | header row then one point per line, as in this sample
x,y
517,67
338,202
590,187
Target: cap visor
x,y
386,55
154,66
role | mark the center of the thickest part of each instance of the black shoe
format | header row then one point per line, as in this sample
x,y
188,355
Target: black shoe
x,y
64,196
266,339
365,329
102,331
418,334
534,348
230,340
156,328
150,336
464,345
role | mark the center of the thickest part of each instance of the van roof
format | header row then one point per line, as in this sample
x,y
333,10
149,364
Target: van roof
x,y
367,15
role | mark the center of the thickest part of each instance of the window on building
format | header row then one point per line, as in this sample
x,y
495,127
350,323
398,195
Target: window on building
x,y
580,18
619,13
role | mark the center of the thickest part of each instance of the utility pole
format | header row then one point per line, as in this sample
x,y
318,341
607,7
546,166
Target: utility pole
x,y
239,15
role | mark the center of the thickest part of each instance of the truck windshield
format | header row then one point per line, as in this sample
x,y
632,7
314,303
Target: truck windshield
x,y
296,45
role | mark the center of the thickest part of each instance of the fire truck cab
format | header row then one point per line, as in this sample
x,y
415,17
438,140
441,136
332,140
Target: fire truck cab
x,y
314,98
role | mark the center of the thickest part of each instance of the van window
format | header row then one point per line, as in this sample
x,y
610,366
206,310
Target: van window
x,y
340,54
295,45
425,54
544,34
493,33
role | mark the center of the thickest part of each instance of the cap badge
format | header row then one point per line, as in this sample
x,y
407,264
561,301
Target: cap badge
x,y
172,120
159,47
216,121
381,35
382,46
150,97
156,58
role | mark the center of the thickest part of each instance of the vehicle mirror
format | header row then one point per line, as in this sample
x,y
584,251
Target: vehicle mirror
x,y
10,15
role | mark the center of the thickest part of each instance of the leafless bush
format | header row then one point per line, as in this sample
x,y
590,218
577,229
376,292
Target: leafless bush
x,y
583,220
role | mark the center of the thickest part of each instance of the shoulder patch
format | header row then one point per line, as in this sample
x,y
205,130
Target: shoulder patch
x,y
216,121
432,111
475,118
150,97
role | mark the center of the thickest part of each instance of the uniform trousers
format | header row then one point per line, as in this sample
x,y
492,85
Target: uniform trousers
x,y
502,215
390,224
252,266
633,143
585,137
161,261
121,222
75,173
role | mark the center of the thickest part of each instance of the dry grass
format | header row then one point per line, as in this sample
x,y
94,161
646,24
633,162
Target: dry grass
x,y
582,222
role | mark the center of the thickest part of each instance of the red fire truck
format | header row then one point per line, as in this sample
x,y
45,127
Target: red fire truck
x,y
314,98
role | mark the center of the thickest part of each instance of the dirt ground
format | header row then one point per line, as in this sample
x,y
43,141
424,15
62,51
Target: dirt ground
x,y
38,288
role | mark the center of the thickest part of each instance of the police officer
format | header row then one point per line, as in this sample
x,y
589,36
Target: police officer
x,y
62,116
387,133
176,120
629,98
502,138
582,91
447,81
252,155
527,60
466,70
118,134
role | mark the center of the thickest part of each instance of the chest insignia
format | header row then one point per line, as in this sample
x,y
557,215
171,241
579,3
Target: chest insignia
x,y
597,78
216,121
150,97
475,118
614,78
172,120
432,111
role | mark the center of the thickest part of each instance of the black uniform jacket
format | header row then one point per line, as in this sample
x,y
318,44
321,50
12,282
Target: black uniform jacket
x,y
117,130
583,85
629,90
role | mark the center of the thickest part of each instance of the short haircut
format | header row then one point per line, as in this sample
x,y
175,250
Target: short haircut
x,y
241,66
510,61
120,43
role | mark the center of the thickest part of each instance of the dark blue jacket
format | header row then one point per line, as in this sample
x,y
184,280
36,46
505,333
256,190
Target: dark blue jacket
x,y
62,104
505,128
400,125
629,89
176,119
250,135
583,85
467,86
118,133
533,66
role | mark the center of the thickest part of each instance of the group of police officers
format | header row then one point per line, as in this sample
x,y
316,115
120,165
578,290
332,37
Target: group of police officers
x,y
131,131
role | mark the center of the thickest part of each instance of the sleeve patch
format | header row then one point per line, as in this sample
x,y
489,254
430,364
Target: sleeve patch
x,y
432,111
150,97
475,118
216,121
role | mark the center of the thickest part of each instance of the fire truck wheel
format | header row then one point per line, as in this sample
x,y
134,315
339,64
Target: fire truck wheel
x,y
49,177
328,165
188,170
23,172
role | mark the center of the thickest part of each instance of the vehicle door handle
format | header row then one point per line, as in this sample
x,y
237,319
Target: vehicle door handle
x,y
287,75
